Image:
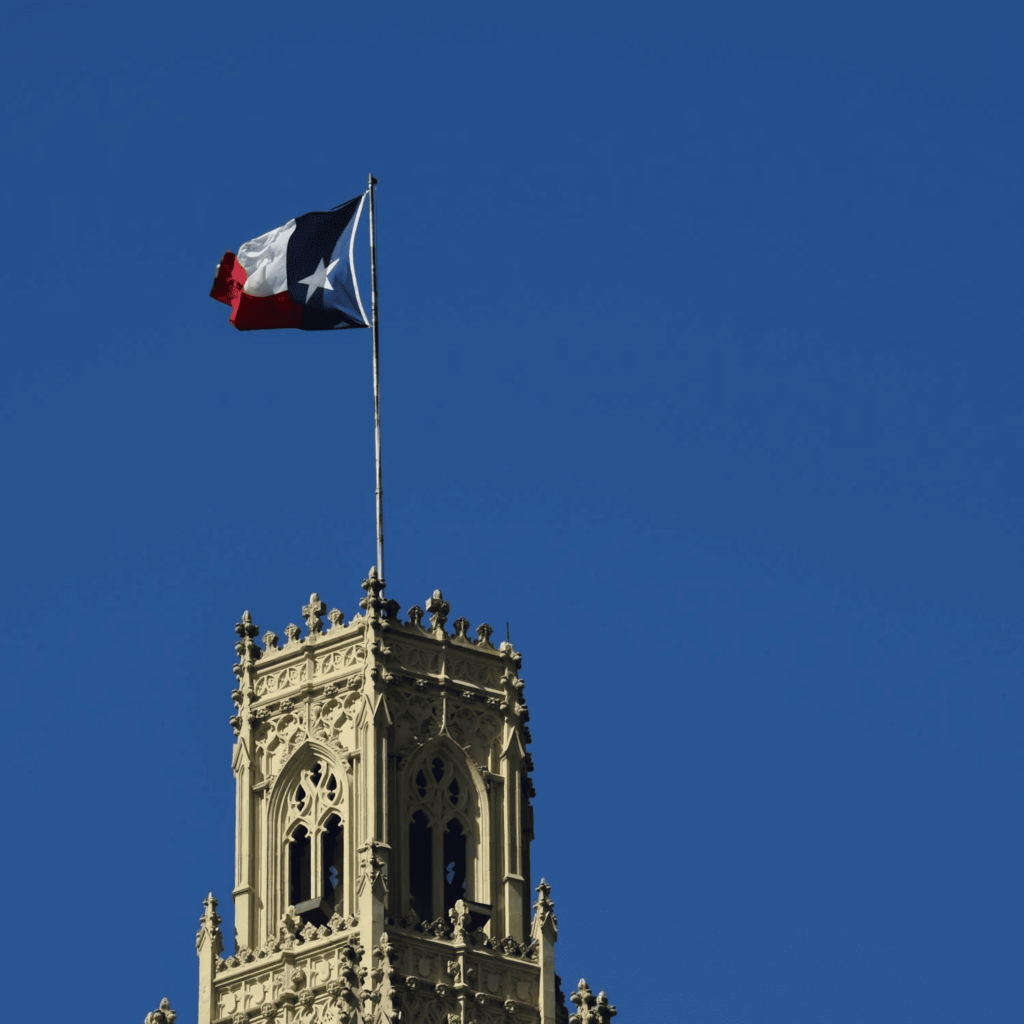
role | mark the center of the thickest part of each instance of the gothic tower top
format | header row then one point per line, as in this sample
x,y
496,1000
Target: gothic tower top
x,y
383,830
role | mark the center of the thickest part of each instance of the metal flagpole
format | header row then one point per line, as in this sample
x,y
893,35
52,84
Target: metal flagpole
x,y
376,372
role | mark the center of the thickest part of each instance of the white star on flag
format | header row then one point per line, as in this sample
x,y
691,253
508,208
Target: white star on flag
x,y
318,279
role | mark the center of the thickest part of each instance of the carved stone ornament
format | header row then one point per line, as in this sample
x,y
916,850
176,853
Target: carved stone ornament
x,y
336,617
461,628
544,908
269,1011
374,587
312,613
374,869
209,925
292,632
163,1015
483,635
590,1009
415,616
271,640
288,929
459,916
241,1017
438,608
246,649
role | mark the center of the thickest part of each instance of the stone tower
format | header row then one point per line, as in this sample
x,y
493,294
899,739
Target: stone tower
x,y
384,822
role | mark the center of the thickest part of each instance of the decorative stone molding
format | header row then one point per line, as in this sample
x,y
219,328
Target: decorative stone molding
x,y
336,617
483,635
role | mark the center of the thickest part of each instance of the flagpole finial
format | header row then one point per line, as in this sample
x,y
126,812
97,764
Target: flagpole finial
x,y
373,180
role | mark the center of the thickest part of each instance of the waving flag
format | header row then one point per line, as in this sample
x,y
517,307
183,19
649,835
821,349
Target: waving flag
x,y
298,275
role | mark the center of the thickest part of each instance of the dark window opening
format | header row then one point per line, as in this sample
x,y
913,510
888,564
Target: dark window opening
x,y
332,786
316,774
437,768
332,850
453,791
421,887
300,798
454,864
421,784
300,867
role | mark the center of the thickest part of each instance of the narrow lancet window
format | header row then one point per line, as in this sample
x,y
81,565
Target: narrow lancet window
x,y
332,856
421,870
454,864
300,866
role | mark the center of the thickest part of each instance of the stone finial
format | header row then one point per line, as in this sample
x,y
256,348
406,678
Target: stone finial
x,y
415,616
544,907
246,628
292,632
246,649
459,917
591,1009
163,1015
461,628
271,640
210,919
374,587
391,609
336,617
511,654
209,925
312,613
438,608
288,928
483,634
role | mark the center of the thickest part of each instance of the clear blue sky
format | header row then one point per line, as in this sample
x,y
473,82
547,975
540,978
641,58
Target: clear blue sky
x,y
702,367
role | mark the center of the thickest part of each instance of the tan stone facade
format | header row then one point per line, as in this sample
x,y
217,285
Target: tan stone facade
x,y
383,831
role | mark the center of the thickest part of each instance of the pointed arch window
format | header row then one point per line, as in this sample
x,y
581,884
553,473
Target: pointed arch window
x,y
315,849
441,823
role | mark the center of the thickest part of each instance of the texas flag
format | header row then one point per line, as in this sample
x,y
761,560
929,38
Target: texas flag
x,y
298,275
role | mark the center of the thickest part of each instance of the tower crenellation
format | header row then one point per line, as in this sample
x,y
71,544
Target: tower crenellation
x,y
384,823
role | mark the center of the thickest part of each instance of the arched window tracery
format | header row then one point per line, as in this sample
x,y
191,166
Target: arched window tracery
x,y
441,803
315,844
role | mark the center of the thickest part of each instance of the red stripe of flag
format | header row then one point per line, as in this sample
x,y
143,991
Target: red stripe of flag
x,y
252,312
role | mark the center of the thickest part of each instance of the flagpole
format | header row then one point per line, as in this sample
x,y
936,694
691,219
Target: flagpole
x,y
376,372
